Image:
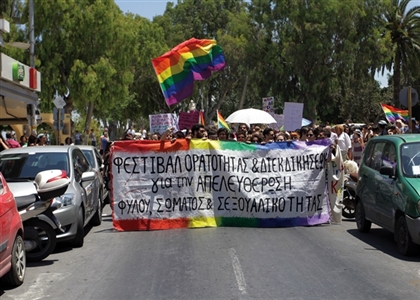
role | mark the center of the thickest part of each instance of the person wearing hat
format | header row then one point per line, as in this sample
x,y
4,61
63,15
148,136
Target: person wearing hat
x,y
41,140
357,145
382,127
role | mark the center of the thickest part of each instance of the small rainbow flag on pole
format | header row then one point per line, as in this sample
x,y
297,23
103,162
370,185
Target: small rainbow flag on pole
x,y
201,118
392,113
221,123
191,60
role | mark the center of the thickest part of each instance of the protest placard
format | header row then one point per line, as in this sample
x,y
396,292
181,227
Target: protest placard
x,y
161,122
188,119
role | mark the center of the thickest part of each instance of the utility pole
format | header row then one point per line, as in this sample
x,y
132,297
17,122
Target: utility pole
x,y
32,120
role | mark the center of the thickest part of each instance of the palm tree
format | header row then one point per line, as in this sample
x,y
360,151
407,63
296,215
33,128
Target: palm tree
x,y
404,29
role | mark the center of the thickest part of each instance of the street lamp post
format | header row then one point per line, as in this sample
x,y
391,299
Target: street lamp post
x,y
33,120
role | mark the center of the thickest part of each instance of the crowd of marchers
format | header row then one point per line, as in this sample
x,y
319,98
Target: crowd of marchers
x,y
351,138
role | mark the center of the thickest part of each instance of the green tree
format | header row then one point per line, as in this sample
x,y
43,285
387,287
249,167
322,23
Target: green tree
x,y
402,27
86,47
314,51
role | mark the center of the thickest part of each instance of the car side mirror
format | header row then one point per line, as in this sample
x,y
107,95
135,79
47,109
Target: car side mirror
x,y
88,176
387,170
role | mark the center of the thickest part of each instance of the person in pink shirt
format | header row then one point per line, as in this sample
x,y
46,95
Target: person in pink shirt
x,y
10,141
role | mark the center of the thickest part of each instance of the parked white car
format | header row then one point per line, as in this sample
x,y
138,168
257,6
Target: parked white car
x,y
79,205
96,161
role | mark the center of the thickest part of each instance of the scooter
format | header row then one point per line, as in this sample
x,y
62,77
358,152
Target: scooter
x,y
349,195
38,219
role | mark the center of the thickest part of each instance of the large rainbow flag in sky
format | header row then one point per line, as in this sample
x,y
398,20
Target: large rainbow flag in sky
x,y
192,60
393,114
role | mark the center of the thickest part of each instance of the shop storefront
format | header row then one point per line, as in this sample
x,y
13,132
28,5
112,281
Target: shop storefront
x,y
19,87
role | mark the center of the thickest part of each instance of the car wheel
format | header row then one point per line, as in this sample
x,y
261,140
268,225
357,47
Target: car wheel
x,y
16,275
362,224
348,212
97,217
45,241
80,234
405,244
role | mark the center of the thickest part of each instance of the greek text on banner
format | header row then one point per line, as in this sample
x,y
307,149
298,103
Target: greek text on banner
x,y
189,184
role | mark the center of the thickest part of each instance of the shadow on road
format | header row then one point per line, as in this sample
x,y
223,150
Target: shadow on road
x,y
382,240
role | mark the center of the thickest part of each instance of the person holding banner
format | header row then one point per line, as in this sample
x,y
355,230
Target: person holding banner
x,y
241,136
199,132
268,135
222,134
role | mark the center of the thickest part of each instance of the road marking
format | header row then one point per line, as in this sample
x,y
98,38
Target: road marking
x,y
240,279
36,290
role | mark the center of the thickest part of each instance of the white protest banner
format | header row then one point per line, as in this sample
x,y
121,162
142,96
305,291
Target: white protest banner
x,y
187,184
161,122
292,115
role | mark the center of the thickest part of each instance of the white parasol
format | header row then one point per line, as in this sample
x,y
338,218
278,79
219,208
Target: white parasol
x,y
251,116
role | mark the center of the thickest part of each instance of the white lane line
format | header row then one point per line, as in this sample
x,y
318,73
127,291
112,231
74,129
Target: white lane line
x,y
240,279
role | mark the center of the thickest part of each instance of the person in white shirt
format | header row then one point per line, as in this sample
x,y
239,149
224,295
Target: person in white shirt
x,y
131,131
343,141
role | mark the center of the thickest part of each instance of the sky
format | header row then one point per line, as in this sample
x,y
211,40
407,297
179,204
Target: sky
x,y
144,8
152,8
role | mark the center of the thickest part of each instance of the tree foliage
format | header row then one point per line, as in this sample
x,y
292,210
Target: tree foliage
x,y
402,27
323,53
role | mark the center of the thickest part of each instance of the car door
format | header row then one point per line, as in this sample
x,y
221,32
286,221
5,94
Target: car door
x,y
7,204
100,163
81,165
385,188
368,176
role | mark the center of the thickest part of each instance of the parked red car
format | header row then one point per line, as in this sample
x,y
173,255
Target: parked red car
x,y
12,247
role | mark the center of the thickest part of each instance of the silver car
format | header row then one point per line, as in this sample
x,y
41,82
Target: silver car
x,y
96,161
78,206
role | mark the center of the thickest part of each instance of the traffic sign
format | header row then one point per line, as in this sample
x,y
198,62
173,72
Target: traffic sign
x,y
404,97
59,102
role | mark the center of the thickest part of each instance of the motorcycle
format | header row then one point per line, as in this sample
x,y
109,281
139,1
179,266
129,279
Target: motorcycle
x,y
37,216
349,195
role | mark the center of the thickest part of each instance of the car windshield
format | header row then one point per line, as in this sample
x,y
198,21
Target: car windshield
x,y
28,165
410,159
89,156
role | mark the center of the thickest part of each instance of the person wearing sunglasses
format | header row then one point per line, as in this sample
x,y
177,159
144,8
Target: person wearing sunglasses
x,y
199,131
311,136
243,127
304,133
268,135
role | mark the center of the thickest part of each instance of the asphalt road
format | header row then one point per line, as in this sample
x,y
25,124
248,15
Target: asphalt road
x,y
321,262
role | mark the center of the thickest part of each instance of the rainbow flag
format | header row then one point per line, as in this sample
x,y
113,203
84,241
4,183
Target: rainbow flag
x,y
201,118
392,113
221,123
178,68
